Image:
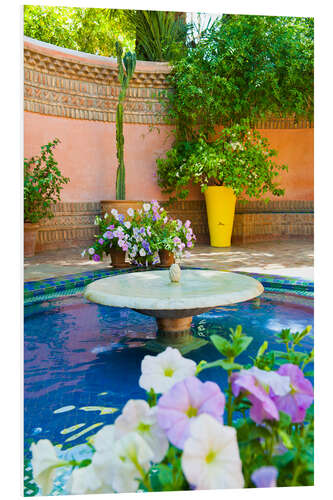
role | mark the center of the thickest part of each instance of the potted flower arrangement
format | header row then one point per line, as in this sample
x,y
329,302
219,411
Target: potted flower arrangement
x,y
170,237
43,182
147,235
189,434
113,238
237,163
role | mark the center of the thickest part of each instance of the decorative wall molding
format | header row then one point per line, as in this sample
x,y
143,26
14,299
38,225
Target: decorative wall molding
x,y
71,84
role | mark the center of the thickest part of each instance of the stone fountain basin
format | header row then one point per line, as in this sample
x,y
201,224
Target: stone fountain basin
x,y
153,294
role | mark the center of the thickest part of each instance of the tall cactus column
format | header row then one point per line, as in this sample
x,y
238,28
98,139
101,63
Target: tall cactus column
x,y
126,67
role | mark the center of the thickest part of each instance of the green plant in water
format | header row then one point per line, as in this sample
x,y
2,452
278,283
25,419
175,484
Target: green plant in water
x,y
126,67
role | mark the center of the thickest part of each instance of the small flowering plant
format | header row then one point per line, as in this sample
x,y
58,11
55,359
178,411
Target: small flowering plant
x,y
142,233
188,434
167,233
114,232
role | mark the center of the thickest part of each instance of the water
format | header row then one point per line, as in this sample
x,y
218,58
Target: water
x,y
82,360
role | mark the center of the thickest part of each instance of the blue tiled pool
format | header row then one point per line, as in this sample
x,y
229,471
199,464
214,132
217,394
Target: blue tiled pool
x,y
82,360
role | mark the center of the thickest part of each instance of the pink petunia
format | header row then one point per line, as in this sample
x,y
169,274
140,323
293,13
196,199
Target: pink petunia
x,y
185,401
300,397
263,407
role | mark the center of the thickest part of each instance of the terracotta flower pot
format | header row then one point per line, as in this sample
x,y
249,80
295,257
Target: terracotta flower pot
x,y
121,205
118,258
30,238
166,258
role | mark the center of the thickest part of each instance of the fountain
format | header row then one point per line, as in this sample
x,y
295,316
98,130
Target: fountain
x,y
173,298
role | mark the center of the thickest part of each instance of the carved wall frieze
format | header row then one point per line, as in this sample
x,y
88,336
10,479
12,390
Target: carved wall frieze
x,y
64,83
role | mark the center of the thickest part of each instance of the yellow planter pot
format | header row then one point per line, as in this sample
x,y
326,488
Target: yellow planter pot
x,y
220,205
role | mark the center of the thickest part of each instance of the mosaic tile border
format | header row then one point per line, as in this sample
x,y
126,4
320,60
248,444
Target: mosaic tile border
x,y
72,284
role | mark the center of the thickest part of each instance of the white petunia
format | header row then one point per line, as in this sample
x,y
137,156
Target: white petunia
x,y
86,481
146,207
161,372
142,252
139,417
130,212
211,456
131,456
114,212
91,251
104,439
127,224
280,384
44,463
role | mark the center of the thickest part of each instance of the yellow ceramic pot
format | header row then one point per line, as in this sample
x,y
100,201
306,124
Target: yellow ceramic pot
x,y
220,205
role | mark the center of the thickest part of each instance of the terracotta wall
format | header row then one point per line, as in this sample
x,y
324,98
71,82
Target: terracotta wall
x,y
73,96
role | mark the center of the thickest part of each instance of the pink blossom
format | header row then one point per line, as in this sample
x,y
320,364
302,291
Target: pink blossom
x,y
263,407
298,400
185,401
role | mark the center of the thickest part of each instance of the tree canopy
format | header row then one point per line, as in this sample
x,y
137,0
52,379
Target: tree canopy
x,y
244,67
85,29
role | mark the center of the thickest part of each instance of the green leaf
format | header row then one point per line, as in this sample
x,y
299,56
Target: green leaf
x,y
285,439
222,345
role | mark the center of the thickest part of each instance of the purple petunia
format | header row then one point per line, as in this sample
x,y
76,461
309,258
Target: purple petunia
x,y
265,477
263,407
101,241
300,397
185,401
96,257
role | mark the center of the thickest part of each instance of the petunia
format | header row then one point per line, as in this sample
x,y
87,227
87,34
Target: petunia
x,y
114,212
300,396
279,384
86,481
132,456
108,235
185,401
187,224
130,212
44,463
101,241
161,372
91,251
96,257
177,240
265,477
146,207
211,456
142,252
139,417
189,244
127,224
263,407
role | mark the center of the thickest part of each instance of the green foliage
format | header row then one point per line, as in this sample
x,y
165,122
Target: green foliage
x,y
244,67
287,446
160,35
126,67
86,29
43,182
239,158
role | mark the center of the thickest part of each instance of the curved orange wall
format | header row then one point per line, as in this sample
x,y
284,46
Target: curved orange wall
x,y
73,96
87,154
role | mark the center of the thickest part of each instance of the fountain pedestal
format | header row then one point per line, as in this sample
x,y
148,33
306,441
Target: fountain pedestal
x,y
174,304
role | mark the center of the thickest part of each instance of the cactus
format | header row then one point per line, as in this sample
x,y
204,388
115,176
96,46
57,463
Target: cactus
x,y
126,67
